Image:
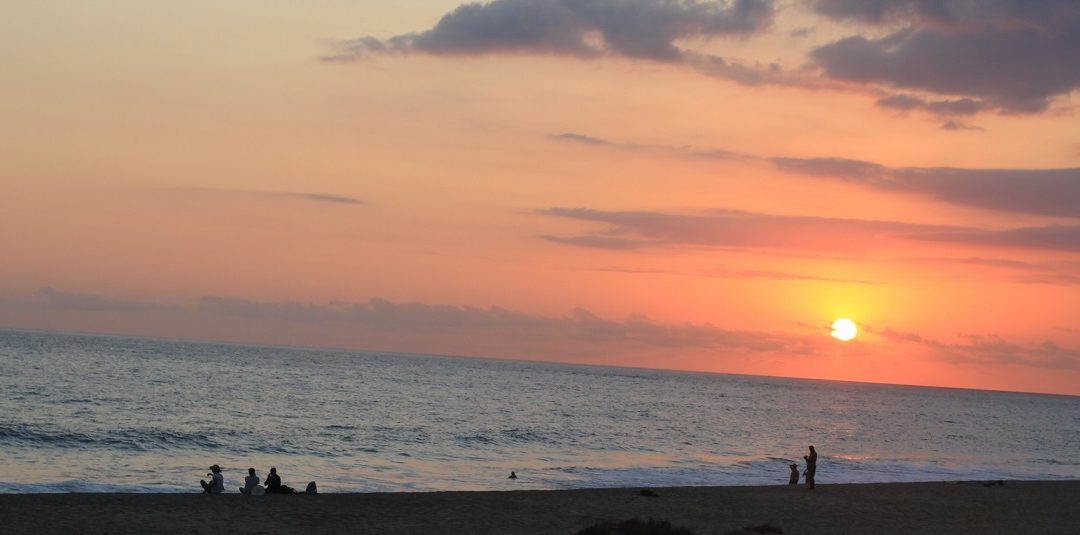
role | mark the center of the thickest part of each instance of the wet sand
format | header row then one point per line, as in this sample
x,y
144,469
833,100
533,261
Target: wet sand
x,y
945,507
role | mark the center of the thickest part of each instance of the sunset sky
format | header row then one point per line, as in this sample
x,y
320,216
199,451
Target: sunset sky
x,y
657,183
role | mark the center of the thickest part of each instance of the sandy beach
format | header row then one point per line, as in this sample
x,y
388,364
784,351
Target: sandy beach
x,y
941,507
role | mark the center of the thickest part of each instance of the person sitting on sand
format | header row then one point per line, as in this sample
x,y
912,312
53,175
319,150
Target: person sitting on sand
x,y
273,484
811,467
250,482
217,481
794,479
312,488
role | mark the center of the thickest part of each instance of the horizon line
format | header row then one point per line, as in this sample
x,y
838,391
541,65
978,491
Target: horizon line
x,y
508,359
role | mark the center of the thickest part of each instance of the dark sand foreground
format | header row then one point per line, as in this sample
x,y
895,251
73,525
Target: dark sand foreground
x,y
965,507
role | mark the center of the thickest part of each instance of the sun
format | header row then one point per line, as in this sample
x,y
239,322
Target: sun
x,y
844,329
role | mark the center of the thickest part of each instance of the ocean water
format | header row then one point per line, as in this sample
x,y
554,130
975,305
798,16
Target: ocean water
x,y
94,413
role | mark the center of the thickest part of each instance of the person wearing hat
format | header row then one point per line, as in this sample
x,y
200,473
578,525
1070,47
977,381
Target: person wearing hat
x,y
217,481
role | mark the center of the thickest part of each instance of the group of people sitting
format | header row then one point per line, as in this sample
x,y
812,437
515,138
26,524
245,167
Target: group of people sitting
x,y
216,485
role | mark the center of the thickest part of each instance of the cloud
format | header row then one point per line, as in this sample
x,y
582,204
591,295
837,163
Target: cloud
x,y
731,229
952,124
1049,192
639,29
649,30
1014,55
307,196
1054,237
580,138
50,298
579,325
783,276
962,106
322,197
46,298
697,152
992,350
962,57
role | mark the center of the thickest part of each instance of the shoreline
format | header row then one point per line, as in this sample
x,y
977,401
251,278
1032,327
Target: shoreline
x,y
1043,506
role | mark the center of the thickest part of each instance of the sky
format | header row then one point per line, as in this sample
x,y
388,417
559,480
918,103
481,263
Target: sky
x,y
671,184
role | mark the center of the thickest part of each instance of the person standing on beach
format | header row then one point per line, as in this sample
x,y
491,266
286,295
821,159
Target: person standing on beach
x,y
794,479
217,481
811,467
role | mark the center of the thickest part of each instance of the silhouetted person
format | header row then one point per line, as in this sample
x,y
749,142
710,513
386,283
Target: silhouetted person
x,y
811,467
273,484
250,482
312,488
512,476
217,481
794,479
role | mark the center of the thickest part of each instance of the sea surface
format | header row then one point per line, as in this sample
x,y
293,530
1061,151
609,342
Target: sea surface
x,y
89,413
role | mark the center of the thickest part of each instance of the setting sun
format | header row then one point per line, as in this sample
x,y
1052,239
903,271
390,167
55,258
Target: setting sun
x,y
844,329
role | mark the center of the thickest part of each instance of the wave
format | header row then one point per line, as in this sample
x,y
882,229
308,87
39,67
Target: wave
x,y
128,439
84,486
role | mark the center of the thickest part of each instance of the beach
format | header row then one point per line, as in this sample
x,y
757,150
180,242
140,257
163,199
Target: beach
x,y
880,508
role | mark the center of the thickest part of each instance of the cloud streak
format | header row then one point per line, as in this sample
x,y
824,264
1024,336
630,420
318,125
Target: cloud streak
x,y
731,229
1046,192
56,299
579,325
299,195
992,350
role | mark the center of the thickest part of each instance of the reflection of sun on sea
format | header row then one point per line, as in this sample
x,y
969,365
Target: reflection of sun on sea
x,y
844,329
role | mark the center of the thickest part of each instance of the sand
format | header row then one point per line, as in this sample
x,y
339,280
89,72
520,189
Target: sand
x,y
952,507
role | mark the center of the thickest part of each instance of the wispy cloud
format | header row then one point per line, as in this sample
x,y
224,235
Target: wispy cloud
x,y
1048,192
732,229
1054,237
321,197
992,350
306,196
696,152
783,276
50,299
579,326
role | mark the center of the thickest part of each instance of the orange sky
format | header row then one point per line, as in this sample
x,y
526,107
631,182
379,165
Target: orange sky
x,y
696,185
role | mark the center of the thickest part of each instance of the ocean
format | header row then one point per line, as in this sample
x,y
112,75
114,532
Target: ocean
x,y
94,413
